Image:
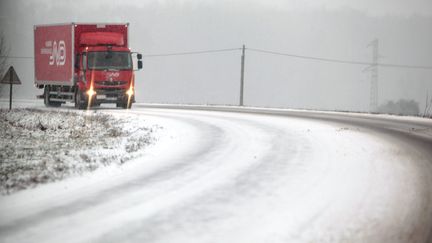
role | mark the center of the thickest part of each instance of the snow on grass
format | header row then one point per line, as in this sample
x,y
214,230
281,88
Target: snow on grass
x,y
39,146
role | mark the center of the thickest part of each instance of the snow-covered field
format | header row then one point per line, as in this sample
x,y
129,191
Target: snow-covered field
x,y
38,146
232,177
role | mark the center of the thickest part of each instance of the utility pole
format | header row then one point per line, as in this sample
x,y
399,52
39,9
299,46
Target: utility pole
x,y
242,75
373,103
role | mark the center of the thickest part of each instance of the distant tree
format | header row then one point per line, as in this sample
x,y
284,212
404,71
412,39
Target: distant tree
x,y
400,107
4,52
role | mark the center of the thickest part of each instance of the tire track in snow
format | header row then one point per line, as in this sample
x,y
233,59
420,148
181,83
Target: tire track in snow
x,y
365,225
323,189
192,171
68,208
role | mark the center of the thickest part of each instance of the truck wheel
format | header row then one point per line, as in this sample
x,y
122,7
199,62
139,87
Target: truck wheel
x,y
79,102
125,105
47,100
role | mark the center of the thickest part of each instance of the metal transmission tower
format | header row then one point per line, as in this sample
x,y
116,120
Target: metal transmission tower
x,y
373,103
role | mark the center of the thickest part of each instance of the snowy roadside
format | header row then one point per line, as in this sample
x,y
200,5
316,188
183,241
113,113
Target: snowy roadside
x,y
39,146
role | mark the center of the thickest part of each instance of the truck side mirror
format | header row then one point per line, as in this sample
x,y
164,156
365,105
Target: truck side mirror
x,y
84,61
77,61
140,65
139,56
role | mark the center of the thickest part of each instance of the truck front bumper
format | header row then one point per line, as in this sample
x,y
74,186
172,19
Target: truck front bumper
x,y
111,96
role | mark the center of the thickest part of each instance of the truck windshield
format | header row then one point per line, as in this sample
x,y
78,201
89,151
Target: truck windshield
x,y
109,60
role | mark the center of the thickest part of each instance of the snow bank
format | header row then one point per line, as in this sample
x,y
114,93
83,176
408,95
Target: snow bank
x,y
39,146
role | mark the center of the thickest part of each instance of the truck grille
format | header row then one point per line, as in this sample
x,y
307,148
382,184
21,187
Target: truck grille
x,y
111,92
111,83
110,89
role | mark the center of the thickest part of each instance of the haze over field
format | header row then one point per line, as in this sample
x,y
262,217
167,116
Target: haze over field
x,y
329,29
167,171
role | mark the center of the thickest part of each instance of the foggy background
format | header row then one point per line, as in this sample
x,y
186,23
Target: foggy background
x,y
331,29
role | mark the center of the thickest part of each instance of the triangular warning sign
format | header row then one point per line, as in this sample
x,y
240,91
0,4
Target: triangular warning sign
x,y
10,77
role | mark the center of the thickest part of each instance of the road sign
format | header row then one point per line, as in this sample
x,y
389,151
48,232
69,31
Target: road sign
x,y
11,78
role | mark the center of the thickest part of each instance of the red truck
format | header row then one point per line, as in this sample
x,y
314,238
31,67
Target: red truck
x,y
87,64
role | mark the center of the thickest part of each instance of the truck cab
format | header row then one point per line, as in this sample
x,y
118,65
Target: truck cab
x,y
104,71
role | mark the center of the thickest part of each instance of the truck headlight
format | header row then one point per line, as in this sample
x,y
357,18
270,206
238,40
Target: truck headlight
x,y
91,92
130,92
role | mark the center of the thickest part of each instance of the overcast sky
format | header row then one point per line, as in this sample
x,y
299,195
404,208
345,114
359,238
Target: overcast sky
x,y
335,29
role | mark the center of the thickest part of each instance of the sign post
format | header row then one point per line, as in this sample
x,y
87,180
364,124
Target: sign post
x,y
10,78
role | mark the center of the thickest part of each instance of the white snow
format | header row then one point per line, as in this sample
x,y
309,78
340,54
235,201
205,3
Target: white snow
x,y
39,146
425,120
229,177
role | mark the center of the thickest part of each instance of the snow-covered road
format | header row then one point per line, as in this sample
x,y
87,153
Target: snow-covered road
x,y
218,176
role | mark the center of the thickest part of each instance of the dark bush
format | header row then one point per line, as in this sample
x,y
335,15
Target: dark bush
x,y
400,107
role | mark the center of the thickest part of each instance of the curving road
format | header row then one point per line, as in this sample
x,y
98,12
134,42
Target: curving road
x,y
246,175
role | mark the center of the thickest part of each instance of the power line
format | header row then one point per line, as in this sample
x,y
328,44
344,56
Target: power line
x,y
155,55
17,57
191,52
323,59
339,60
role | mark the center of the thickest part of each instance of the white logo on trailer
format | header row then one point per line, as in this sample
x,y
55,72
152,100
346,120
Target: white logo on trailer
x,y
58,55
56,51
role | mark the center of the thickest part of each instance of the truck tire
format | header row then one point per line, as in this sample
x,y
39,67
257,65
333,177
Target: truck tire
x,y
47,98
79,101
124,105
